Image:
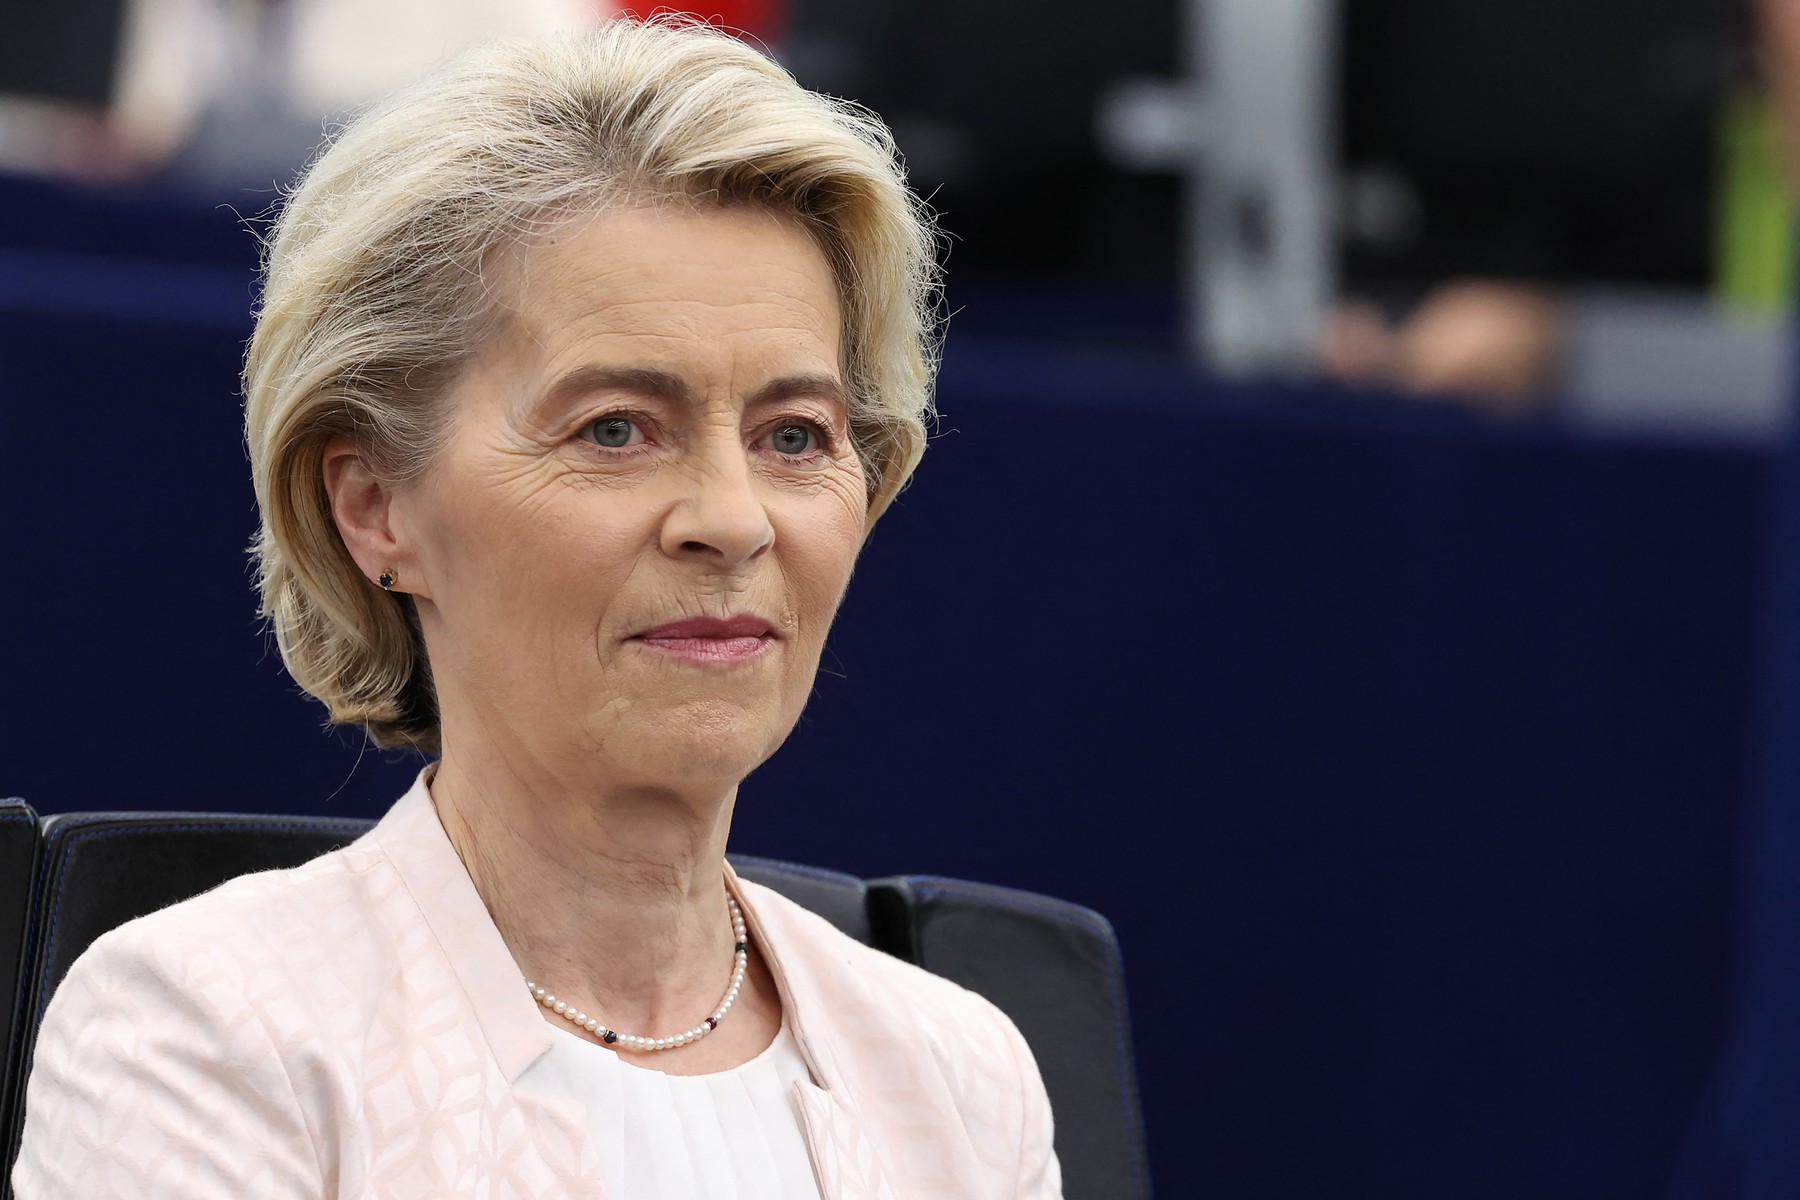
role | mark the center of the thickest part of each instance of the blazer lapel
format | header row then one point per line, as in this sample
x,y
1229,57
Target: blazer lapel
x,y
847,1161
537,1147
844,1158
556,1155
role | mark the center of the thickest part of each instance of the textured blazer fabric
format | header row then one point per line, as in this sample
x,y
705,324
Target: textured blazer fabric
x,y
355,1028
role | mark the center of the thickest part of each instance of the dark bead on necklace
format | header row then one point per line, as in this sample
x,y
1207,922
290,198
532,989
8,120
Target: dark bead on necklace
x,y
609,1037
741,947
712,1022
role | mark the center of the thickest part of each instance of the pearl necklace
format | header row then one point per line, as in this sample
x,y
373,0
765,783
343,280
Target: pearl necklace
x,y
625,1041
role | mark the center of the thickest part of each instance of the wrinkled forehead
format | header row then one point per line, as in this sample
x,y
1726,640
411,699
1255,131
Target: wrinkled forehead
x,y
691,293
573,245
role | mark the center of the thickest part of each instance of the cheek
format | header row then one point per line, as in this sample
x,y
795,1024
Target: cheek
x,y
533,554
827,543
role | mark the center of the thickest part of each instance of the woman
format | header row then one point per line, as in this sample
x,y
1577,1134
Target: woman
x,y
581,373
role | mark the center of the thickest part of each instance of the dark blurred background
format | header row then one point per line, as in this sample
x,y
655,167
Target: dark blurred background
x,y
1360,555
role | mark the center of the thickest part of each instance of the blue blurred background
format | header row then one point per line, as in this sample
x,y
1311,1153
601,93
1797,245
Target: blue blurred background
x,y
1360,555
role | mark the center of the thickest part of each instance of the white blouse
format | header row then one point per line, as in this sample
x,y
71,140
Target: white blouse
x,y
733,1135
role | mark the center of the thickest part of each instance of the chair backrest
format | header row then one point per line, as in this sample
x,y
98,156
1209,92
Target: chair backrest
x,y
1054,968
18,872
1051,966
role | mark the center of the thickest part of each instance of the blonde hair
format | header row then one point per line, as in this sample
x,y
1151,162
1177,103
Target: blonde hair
x,y
377,289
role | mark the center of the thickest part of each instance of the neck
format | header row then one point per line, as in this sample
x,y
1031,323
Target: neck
x,y
611,895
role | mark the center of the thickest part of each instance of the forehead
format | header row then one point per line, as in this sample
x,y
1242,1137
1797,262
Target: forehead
x,y
682,275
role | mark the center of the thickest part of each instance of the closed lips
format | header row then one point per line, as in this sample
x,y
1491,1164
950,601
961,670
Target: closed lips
x,y
711,640
728,628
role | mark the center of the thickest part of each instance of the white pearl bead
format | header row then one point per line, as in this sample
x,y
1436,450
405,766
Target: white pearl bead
x,y
740,964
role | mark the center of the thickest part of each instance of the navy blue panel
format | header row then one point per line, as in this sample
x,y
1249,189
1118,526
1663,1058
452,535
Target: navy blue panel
x,y
134,220
137,675
1745,1140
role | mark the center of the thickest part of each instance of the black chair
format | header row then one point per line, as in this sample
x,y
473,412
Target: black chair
x,y
18,874
1053,967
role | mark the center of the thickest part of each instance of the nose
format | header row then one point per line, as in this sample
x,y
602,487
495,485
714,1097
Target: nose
x,y
719,519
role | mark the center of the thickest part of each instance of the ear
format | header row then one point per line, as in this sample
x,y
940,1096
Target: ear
x,y
368,518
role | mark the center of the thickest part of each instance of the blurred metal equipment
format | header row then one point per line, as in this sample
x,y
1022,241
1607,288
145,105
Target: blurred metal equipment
x,y
1673,363
1251,129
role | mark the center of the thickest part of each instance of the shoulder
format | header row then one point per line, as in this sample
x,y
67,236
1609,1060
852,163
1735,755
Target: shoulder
x,y
179,1054
260,950
266,918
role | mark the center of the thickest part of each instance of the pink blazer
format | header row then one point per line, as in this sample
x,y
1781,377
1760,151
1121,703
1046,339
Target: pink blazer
x,y
354,1027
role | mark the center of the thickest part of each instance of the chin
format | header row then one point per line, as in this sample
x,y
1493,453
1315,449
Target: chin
x,y
697,744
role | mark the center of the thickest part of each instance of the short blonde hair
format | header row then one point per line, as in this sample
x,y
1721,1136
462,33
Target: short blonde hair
x,y
377,289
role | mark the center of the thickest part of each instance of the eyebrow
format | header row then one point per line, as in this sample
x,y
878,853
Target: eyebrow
x,y
666,385
787,387
642,381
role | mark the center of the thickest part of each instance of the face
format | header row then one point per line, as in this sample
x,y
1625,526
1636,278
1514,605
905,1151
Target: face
x,y
629,552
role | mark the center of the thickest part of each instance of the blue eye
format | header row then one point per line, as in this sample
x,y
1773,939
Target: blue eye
x,y
615,433
792,439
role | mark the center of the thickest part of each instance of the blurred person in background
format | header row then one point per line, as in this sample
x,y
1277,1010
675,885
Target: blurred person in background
x,y
1777,26
1536,197
222,93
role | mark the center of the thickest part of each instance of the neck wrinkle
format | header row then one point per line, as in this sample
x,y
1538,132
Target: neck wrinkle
x,y
613,898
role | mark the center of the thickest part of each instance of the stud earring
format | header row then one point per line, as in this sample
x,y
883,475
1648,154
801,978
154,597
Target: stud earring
x,y
387,580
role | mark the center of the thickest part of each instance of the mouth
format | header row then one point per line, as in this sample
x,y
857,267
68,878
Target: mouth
x,y
710,639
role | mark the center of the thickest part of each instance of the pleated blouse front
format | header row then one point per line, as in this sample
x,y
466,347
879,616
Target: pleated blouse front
x,y
733,1135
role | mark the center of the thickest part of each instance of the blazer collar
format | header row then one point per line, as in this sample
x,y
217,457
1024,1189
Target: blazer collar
x,y
801,1006
414,840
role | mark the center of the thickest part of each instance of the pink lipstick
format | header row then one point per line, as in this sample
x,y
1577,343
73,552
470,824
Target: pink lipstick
x,y
710,639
